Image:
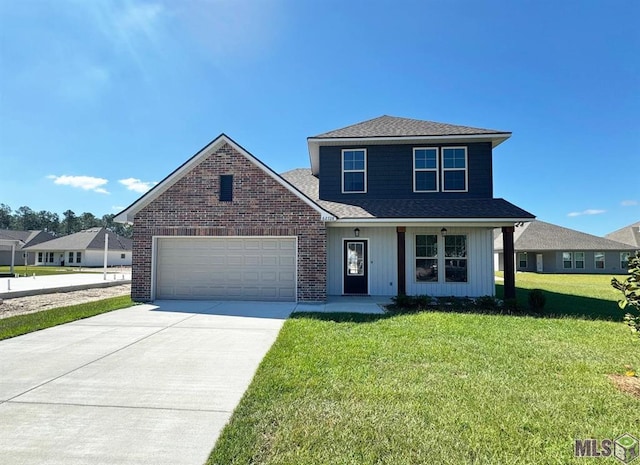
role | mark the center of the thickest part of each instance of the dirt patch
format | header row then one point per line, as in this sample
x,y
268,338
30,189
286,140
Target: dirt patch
x,y
37,303
628,384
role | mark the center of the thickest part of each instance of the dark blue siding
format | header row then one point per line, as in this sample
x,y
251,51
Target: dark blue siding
x,y
390,173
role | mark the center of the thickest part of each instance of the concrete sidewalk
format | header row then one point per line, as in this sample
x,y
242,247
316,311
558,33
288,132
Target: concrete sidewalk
x,y
150,384
71,281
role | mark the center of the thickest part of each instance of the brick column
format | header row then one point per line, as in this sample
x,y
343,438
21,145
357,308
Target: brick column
x,y
509,263
402,278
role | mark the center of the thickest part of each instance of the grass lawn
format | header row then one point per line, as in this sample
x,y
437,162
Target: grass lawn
x,y
574,295
40,270
435,387
22,324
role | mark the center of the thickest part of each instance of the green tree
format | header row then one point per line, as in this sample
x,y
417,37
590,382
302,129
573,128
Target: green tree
x,y
6,217
70,222
630,288
25,219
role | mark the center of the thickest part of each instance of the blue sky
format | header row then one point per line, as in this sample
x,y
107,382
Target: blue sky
x,y
101,99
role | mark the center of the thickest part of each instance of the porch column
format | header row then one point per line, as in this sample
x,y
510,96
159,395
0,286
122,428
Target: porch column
x,y
13,257
509,263
402,278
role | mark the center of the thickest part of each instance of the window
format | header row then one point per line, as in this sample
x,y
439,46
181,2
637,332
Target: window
x,y
226,188
454,169
49,257
70,257
354,171
427,258
455,254
567,260
624,260
599,260
425,170
579,257
522,259
78,257
122,256
39,257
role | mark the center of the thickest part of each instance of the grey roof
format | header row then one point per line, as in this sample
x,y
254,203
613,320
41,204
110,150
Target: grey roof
x,y
391,126
88,239
627,235
308,184
539,236
27,238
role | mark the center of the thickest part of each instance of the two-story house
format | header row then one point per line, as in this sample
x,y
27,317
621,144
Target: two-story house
x,y
390,205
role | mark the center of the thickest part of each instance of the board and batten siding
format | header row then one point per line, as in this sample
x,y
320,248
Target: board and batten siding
x,y
383,259
480,264
383,256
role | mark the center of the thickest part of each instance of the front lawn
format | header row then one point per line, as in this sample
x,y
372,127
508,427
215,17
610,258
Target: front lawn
x,y
40,270
434,387
584,295
22,324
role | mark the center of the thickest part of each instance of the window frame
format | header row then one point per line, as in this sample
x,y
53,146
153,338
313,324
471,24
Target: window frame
x,y
564,267
465,169
417,257
78,257
70,260
40,257
520,260
343,171
577,260
596,261
457,258
624,262
226,188
436,170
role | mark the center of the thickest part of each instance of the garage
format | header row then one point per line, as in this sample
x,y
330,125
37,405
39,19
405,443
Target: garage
x,y
226,268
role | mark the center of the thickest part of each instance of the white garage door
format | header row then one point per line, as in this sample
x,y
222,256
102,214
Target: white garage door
x,y
226,268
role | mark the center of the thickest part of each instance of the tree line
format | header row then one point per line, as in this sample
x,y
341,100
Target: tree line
x,y
24,219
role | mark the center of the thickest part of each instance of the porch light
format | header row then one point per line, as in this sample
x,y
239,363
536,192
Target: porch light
x,y
356,232
443,231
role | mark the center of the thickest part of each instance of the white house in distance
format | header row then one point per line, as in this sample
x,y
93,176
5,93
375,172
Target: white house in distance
x,y
84,248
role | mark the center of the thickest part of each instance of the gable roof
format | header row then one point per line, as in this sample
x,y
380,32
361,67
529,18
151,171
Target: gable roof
x,y
25,238
390,129
539,235
127,215
88,239
627,235
419,209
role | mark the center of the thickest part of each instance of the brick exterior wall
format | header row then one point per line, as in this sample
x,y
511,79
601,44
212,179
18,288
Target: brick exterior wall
x,y
260,207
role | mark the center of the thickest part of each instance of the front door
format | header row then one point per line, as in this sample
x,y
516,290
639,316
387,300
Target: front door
x,y
539,263
356,280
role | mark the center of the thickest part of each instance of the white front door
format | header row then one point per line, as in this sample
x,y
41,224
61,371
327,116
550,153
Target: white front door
x,y
539,264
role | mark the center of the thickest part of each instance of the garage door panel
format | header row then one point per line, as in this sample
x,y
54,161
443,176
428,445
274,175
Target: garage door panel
x,y
225,268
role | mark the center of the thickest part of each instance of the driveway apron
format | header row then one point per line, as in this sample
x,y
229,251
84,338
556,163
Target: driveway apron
x,y
150,384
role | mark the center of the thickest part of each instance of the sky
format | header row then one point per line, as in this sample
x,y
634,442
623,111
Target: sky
x,y
100,100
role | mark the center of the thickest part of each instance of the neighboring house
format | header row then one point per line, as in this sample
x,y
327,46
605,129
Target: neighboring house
x,y
390,205
627,235
547,248
84,248
12,243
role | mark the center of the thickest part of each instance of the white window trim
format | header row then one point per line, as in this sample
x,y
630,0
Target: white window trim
x,y
572,261
444,258
343,171
595,260
526,259
626,255
436,169
466,170
437,257
584,260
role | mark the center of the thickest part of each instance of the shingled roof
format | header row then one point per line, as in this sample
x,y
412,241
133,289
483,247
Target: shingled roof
x,y
391,126
627,235
539,236
88,239
303,180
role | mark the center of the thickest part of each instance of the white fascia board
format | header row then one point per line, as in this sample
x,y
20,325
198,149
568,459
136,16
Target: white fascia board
x,y
483,222
315,142
127,215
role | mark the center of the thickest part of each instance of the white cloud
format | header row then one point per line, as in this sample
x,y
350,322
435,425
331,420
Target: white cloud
x,y
590,211
87,183
629,203
137,185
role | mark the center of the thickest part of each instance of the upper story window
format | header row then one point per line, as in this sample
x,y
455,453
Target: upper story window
x,y
454,169
354,170
425,170
226,188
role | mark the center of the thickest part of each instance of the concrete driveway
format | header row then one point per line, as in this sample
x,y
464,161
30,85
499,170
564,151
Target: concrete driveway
x,y
151,384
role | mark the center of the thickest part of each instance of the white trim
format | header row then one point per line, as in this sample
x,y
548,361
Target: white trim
x,y
584,260
429,170
466,258
595,260
477,222
466,170
437,257
128,214
342,265
563,260
343,171
155,248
